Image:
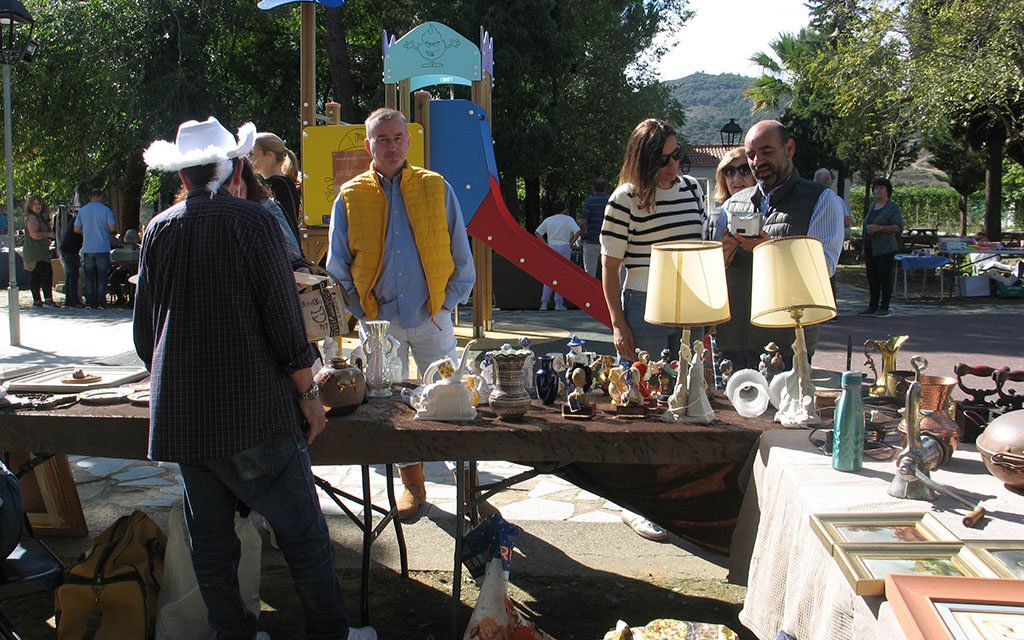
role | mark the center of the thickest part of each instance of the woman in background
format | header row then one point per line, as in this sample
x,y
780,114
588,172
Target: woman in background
x,y
279,168
883,224
248,187
734,339
36,251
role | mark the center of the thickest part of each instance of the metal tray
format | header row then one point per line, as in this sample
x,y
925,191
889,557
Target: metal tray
x,y
49,380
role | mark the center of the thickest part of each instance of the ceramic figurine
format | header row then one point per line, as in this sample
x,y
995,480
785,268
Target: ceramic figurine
x,y
575,353
616,385
529,379
631,397
602,369
698,407
665,376
578,403
445,395
771,362
727,371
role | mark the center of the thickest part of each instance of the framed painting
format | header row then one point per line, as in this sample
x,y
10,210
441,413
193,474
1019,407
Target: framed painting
x,y
879,528
946,608
867,565
50,497
1005,557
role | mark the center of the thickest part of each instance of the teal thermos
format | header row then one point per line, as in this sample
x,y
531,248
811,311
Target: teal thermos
x,y
848,437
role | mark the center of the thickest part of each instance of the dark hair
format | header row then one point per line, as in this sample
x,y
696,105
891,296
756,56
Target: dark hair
x,y
600,185
200,175
96,193
557,206
254,189
642,160
883,182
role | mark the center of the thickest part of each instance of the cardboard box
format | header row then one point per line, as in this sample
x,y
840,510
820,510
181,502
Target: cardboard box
x,y
973,286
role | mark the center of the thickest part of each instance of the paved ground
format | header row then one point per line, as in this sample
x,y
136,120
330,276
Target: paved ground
x,y
572,531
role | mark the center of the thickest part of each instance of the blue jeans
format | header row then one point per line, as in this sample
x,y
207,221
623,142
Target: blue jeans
x,y
97,271
274,479
72,264
652,338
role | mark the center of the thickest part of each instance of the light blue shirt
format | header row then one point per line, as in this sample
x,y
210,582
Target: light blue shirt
x,y
94,220
291,245
826,224
401,290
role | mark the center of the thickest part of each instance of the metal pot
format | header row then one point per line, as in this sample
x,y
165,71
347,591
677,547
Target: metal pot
x,y
1002,448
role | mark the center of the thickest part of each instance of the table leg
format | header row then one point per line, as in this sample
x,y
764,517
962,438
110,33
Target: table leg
x,y
403,553
364,597
460,514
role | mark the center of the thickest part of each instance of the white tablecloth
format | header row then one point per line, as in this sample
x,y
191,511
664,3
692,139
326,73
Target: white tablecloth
x,y
793,584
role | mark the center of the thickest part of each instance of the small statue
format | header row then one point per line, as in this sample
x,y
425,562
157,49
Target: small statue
x,y
529,379
575,353
698,407
616,385
771,361
643,369
631,397
727,371
578,404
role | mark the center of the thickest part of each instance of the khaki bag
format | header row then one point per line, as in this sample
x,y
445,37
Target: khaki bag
x,y
111,593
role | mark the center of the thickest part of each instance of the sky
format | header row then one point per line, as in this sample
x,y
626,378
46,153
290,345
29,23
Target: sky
x,y
723,35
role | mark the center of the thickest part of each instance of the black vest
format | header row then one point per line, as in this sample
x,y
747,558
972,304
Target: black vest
x,y
789,214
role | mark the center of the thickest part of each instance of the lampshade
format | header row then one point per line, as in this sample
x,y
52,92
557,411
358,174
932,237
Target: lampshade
x,y
686,286
790,273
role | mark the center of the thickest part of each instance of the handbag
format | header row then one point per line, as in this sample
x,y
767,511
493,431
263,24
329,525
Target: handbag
x,y
323,306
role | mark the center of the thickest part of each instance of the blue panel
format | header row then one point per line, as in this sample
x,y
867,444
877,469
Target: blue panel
x,y
419,82
462,151
431,49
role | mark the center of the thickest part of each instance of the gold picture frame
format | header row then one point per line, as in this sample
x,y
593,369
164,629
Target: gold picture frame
x,y
1005,557
879,528
867,565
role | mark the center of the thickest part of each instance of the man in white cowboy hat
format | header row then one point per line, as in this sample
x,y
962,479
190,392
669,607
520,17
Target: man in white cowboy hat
x,y
233,400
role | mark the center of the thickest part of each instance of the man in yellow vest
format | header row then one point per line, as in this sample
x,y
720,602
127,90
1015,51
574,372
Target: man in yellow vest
x,y
399,247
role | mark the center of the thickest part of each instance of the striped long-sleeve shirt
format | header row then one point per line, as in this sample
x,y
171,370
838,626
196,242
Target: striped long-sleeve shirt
x,y
628,233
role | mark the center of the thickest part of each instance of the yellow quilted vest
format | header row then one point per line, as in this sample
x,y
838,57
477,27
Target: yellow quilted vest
x,y
367,211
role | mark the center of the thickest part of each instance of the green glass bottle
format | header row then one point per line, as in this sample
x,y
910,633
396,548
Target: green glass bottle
x,y
848,437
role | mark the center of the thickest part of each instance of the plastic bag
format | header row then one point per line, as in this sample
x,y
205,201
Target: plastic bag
x,y
487,551
182,612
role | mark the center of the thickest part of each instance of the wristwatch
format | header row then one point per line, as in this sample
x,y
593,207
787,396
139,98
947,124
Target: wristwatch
x,y
312,393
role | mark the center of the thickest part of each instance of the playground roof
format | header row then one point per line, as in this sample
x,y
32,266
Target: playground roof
x,y
707,155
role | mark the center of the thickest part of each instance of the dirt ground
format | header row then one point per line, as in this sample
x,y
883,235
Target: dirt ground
x,y
577,608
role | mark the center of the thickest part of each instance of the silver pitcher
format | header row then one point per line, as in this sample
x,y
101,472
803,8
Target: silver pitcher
x,y
379,347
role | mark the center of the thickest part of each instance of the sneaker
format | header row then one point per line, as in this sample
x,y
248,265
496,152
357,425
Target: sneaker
x,y
101,308
543,307
262,635
51,303
37,304
867,312
560,307
89,307
644,527
362,633
883,313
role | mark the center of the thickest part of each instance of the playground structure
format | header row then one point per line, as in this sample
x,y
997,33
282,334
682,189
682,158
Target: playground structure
x,y
451,137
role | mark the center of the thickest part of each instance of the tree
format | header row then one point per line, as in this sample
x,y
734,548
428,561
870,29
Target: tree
x,y
963,165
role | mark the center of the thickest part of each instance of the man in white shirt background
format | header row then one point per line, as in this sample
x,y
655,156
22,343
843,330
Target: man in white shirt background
x,y
561,231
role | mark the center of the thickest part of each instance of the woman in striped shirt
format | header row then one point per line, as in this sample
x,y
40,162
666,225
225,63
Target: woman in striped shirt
x,y
652,203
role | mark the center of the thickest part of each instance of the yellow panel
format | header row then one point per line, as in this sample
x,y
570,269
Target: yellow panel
x,y
332,155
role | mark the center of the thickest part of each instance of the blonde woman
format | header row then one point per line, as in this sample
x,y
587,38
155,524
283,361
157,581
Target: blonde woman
x,y
733,174
279,168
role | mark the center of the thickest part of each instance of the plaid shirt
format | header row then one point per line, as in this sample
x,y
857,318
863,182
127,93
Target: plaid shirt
x,y
217,322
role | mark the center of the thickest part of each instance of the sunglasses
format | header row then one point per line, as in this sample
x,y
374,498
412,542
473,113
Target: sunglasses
x,y
743,170
676,155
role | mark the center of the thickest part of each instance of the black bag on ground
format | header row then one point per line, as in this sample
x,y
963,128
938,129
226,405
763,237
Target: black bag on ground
x,y
111,593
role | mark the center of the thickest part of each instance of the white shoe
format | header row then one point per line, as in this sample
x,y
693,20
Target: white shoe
x,y
361,633
644,527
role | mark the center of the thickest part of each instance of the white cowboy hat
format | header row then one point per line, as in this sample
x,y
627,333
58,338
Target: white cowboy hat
x,y
200,143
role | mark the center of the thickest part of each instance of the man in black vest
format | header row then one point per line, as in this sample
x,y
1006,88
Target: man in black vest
x,y
791,206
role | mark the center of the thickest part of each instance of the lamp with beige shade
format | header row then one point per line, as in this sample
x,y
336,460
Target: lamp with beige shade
x,y
792,290
686,288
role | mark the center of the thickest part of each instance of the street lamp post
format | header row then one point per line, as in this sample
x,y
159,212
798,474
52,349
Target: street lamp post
x,y
15,45
731,133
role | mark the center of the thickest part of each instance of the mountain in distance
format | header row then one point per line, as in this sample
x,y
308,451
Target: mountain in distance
x,y
710,100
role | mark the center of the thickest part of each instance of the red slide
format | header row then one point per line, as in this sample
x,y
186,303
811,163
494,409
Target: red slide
x,y
494,225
